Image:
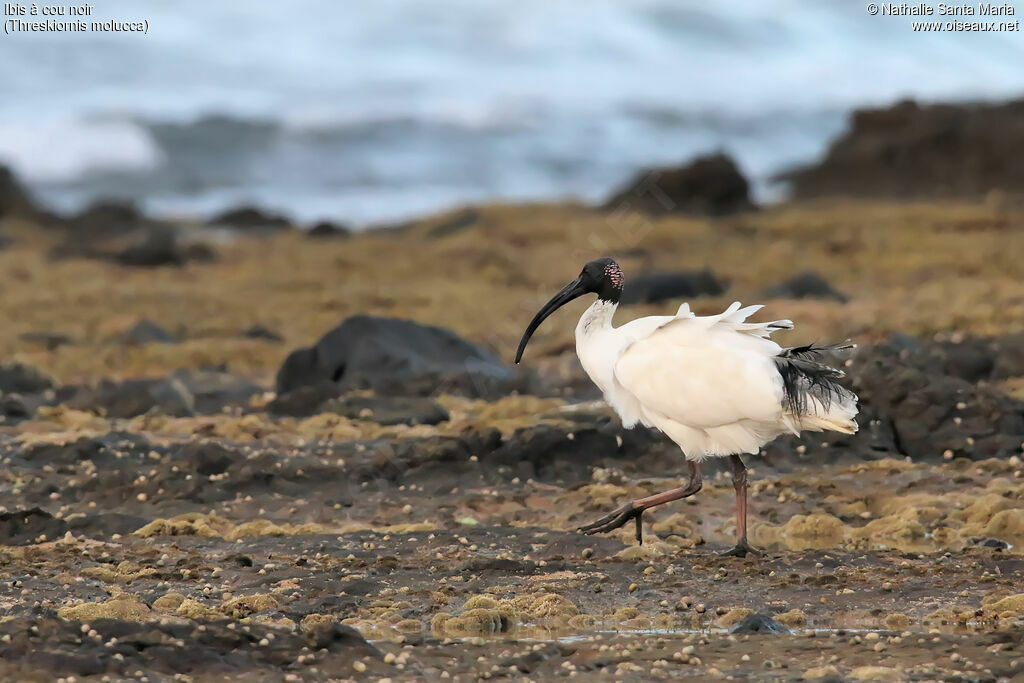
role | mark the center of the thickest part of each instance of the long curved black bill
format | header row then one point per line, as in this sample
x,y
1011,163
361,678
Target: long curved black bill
x,y
571,291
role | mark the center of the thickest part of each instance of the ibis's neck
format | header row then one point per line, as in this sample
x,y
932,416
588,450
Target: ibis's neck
x,y
597,318
594,342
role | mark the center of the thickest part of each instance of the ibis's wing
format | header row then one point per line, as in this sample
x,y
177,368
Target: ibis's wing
x,y
704,372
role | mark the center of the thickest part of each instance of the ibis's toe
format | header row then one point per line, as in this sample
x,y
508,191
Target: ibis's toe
x,y
616,519
742,550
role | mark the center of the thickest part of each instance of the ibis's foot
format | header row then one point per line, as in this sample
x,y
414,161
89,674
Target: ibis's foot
x,y
616,519
743,549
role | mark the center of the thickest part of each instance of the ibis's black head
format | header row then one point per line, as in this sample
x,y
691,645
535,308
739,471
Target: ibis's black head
x,y
601,276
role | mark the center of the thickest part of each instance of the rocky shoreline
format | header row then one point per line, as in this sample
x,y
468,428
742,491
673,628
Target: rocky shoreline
x,y
244,450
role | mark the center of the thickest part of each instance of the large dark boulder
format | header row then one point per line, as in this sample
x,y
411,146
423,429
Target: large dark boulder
x,y
759,623
397,357
24,527
906,391
132,397
14,199
709,185
18,378
106,219
650,288
327,229
250,218
913,150
1009,357
805,285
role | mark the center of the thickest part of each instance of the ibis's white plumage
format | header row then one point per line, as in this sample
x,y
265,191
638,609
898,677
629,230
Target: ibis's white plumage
x,y
713,384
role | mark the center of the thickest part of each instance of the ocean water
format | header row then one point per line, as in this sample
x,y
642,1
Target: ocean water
x,y
366,112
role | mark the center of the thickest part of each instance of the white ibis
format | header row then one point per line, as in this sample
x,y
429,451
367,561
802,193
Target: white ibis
x,y
716,385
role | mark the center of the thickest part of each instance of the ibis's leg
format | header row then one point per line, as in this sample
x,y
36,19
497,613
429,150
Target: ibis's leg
x,y
739,483
635,508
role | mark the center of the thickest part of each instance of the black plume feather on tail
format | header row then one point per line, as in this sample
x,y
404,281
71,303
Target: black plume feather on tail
x,y
814,350
805,380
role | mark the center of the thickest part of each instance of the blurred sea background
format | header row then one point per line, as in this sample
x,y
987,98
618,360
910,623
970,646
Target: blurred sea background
x,y
376,112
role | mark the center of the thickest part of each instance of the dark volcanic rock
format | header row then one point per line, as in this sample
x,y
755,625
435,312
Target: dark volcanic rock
x,y
14,199
212,391
64,453
709,185
912,150
135,397
649,288
388,410
19,378
250,218
972,359
759,623
1009,357
304,401
105,219
23,527
258,331
328,229
157,247
209,457
48,648
394,356
146,332
805,285
929,412
16,407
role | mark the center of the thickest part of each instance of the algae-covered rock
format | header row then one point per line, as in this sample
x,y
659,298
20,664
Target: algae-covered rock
x,y
545,606
583,621
640,623
603,494
477,621
734,616
805,532
876,673
409,626
481,601
897,621
125,572
625,613
1011,606
168,602
794,617
191,524
827,671
438,622
245,605
892,528
193,609
125,606
956,614
312,622
639,553
1006,524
